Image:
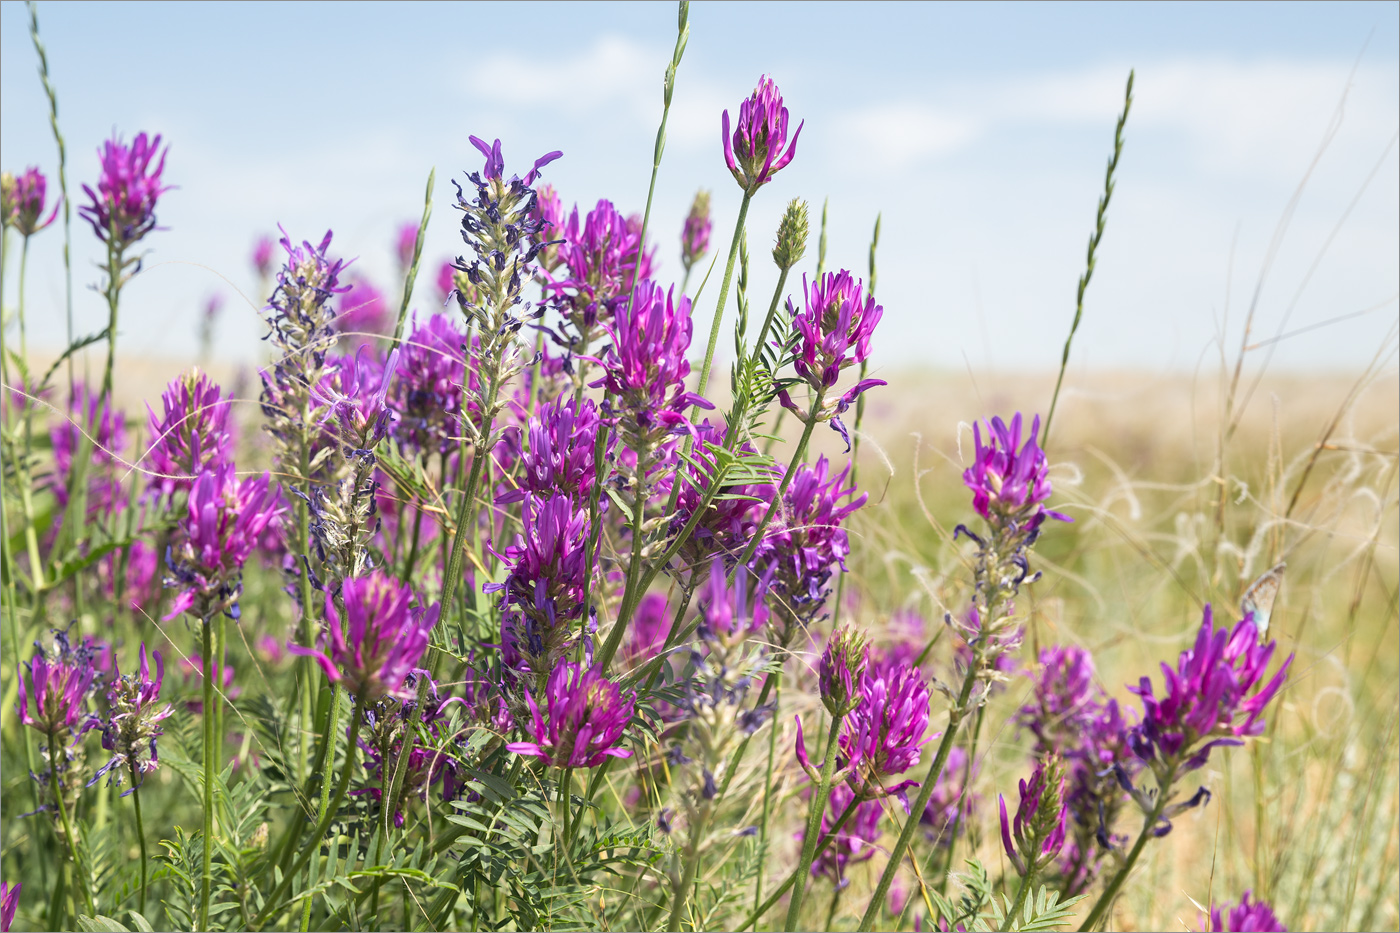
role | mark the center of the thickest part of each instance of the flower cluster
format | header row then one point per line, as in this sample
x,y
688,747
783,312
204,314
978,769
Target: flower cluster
x,y
602,257
754,153
426,396
560,456
61,681
123,208
695,235
106,426
24,202
133,723
225,519
1038,832
1245,917
584,718
364,313
191,433
1010,481
377,640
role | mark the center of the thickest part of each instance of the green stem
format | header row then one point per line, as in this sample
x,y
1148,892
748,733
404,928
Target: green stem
x,y
140,830
481,452
723,296
1110,892
772,310
767,799
935,771
825,841
325,803
692,868
814,825
318,834
207,873
412,274
69,837
1027,883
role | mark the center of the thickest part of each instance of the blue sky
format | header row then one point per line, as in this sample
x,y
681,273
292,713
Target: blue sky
x,y
979,130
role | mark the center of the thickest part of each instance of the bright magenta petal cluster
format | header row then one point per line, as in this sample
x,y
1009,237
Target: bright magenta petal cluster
x,y
9,900
377,641
1216,695
123,207
754,153
27,206
585,716
646,366
1245,917
1038,831
883,735
190,434
1009,480
59,684
836,326
224,523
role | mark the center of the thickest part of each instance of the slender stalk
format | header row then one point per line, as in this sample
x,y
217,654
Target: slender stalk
x,y
1110,891
273,901
935,771
814,825
1027,883
1093,247
723,296
459,534
207,873
68,836
767,799
332,727
825,841
412,275
140,831
692,868
772,310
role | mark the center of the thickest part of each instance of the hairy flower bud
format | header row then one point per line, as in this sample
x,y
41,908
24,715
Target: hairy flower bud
x,y
1038,832
792,235
840,670
695,237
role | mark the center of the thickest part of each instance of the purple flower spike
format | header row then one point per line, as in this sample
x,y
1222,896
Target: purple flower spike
x,y
1216,694
560,455
191,434
882,736
754,153
60,681
132,726
226,519
262,256
727,614
426,391
1245,917
378,641
646,366
24,202
1038,832
840,670
9,900
586,715
124,205
1009,481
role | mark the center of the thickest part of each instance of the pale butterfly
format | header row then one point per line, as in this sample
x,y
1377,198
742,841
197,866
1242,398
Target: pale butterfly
x,y
1259,598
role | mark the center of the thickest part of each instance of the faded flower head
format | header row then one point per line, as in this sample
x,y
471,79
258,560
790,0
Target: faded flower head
x,y
123,207
695,236
1216,695
377,641
1038,832
225,520
841,668
191,434
754,153
133,724
24,202
584,718
1245,917
89,412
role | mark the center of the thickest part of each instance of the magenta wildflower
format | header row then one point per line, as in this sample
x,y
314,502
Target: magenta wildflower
x,y
1216,695
646,366
123,207
855,843
695,236
25,202
86,413
404,244
585,715
378,640
426,391
731,517
364,314
137,577
729,614
601,260
754,153
840,670
1245,917
225,520
1038,832
549,570
193,667
560,455
1009,480
651,623
191,434
834,328
132,725
9,900
262,256
60,681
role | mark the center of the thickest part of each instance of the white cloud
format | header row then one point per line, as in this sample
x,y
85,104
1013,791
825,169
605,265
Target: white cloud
x,y
898,134
612,71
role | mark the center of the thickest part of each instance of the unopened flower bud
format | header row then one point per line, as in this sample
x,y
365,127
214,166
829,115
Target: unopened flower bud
x,y
840,670
792,235
695,236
